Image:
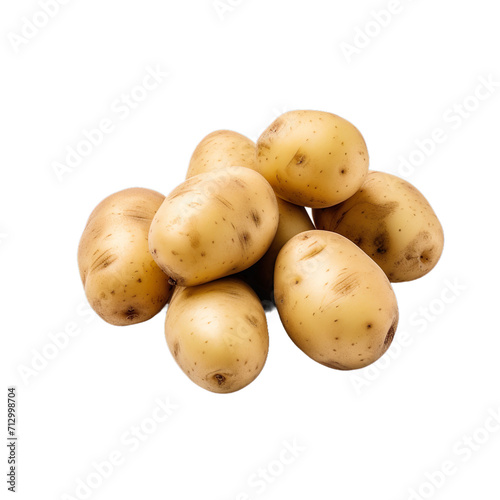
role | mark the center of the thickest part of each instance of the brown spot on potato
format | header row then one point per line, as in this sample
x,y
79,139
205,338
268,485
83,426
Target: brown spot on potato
x,y
381,242
252,320
317,248
276,126
346,284
194,239
255,217
390,334
224,201
131,313
221,380
176,349
103,261
244,238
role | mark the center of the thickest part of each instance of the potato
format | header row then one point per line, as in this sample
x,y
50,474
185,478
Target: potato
x,y
122,282
312,158
335,303
214,224
220,149
392,222
292,220
217,333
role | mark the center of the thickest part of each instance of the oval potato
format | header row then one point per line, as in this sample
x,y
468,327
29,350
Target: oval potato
x,y
392,222
220,149
312,158
335,303
217,333
122,282
214,224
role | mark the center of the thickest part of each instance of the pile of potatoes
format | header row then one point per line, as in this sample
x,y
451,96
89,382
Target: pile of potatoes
x,y
236,237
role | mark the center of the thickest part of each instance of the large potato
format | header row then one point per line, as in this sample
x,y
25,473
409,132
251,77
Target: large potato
x,y
292,220
217,333
214,224
122,282
335,303
220,149
392,222
312,158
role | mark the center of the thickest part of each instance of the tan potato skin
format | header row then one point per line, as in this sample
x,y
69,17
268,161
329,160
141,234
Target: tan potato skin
x,y
335,303
214,224
220,149
122,282
217,333
392,222
312,158
292,220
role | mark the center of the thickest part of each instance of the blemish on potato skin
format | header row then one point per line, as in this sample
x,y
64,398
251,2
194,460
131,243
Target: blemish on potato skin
x,y
255,217
252,320
315,251
346,284
244,238
131,313
176,350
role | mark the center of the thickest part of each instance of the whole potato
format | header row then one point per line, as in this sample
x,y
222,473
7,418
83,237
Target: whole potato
x,y
217,333
312,158
122,282
392,222
292,220
335,303
220,149
214,224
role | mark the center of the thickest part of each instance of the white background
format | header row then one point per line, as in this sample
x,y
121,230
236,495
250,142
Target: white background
x,y
377,433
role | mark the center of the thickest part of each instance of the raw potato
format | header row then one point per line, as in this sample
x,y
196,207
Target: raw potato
x,y
122,282
335,303
392,222
217,333
312,158
220,149
292,220
214,224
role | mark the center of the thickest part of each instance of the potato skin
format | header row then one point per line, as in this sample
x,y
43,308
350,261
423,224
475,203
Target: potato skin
x,y
217,333
312,158
220,149
214,224
335,303
292,220
392,222
122,282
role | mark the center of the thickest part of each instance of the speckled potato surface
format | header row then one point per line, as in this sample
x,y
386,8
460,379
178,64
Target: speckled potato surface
x,y
312,158
335,303
122,282
392,222
292,220
214,224
220,149
217,333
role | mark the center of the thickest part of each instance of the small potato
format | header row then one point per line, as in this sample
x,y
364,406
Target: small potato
x,y
217,333
335,303
392,222
122,281
220,149
312,158
292,220
214,224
